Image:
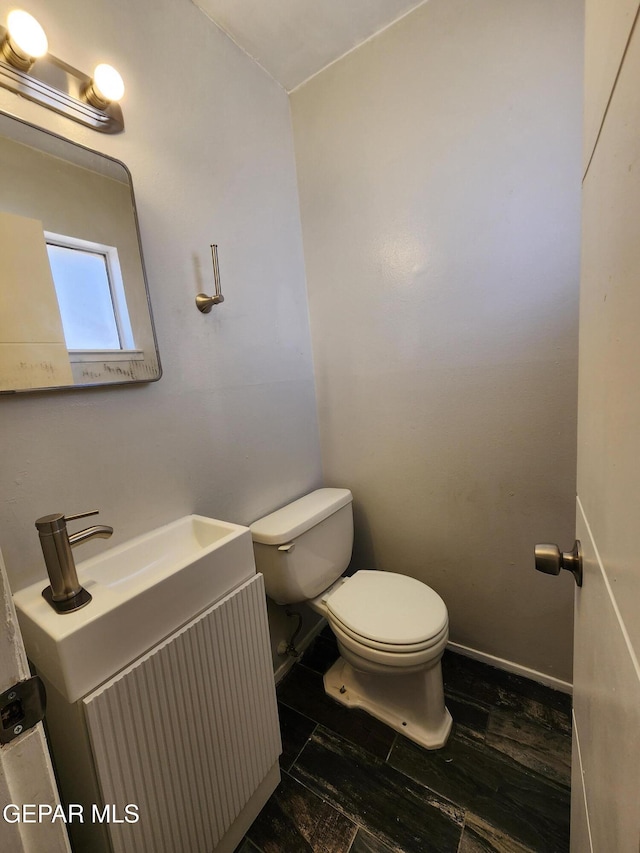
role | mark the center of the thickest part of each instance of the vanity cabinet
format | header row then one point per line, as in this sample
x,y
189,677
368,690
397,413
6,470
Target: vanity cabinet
x,y
185,739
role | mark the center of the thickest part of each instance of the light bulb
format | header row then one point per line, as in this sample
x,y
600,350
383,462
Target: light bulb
x,y
107,83
26,34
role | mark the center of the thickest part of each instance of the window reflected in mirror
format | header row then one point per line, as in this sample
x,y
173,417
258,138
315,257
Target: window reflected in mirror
x,y
91,297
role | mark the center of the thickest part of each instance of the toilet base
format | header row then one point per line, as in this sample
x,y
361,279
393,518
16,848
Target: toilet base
x,y
412,704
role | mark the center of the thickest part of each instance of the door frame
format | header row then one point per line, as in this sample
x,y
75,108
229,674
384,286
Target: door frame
x,y
26,771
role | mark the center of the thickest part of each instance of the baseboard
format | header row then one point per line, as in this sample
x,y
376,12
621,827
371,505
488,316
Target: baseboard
x,y
516,668
483,657
301,645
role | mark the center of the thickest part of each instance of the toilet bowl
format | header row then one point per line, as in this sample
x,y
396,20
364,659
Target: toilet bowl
x,y
391,629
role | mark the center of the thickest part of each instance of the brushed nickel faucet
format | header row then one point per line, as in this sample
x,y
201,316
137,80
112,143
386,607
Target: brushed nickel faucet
x,y
65,593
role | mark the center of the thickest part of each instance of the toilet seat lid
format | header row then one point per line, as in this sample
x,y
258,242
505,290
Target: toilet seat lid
x,y
388,608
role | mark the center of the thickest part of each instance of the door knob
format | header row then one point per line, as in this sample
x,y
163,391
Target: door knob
x,y
550,560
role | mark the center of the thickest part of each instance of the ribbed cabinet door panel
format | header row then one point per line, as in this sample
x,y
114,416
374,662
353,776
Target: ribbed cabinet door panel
x,y
188,731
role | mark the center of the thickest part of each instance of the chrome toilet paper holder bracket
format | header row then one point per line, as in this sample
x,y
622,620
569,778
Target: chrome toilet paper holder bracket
x,y
205,303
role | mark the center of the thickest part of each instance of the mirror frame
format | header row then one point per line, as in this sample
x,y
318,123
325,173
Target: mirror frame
x,y
121,365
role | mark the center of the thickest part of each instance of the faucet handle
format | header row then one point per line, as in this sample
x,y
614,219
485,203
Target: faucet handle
x,y
55,522
81,515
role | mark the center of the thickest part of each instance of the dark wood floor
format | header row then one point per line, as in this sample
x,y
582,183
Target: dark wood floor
x,y
350,783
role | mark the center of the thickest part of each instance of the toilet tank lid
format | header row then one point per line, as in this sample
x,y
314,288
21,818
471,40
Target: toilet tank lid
x,y
296,518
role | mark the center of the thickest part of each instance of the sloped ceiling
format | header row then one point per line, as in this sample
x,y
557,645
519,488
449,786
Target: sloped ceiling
x,y
294,39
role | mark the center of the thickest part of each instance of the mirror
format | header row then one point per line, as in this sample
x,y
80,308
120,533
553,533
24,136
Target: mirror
x,y
74,303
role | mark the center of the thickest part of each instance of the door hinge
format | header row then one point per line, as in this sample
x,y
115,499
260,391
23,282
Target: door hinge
x,y
21,707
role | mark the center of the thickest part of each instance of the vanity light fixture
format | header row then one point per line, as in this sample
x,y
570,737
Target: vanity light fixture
x,y
106,86
24,42
27,69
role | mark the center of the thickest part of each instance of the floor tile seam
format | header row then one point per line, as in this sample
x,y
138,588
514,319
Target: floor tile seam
x,y
509,833
304,746
353,820
506,681
540,723
511,698
471,812
525,768
484,705
500,755
386,762
546,727
253,844
358,826
393,743
297,711
522,686
464,826
468,700
494,752
353,842
508,699
470,734
309,668
537,776
461,806
493,726
333,731
466,810
445,800
322,727
499,672
329,805
509,760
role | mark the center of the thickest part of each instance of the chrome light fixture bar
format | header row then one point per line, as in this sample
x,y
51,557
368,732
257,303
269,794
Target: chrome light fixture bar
x,y
60,87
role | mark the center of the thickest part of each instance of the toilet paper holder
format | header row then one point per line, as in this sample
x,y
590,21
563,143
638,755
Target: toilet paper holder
x,y
549,559
205,303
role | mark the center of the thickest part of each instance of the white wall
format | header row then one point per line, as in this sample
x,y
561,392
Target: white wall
x,y
439,173
605,768
230,430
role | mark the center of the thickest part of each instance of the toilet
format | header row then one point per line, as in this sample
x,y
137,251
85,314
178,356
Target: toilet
x,y
391,629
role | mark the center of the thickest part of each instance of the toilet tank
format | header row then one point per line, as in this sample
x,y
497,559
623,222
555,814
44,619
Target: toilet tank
x,y
302,548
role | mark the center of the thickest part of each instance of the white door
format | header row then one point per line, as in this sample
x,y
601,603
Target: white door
x,y
606,760
26,775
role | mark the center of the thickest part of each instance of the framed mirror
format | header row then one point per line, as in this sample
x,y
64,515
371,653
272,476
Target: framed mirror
x,y
74,302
